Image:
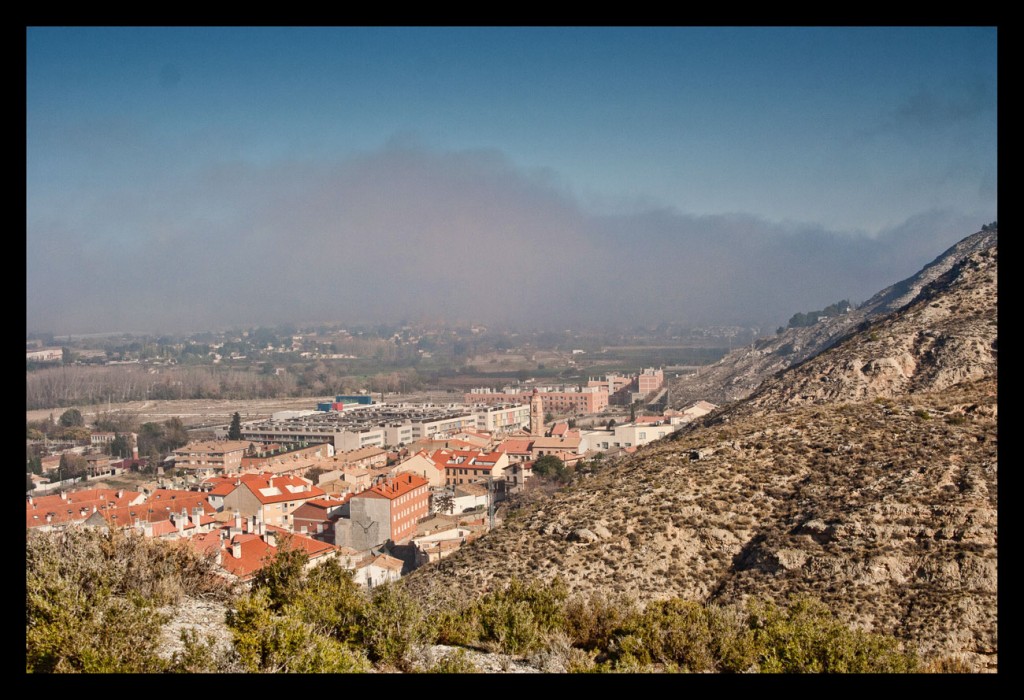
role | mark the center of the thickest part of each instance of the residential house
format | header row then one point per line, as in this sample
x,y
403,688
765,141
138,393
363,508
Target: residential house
x,y
421,464
75,507
270,498
438,545
377,571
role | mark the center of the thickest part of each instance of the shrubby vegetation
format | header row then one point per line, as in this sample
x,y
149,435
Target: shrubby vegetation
x,y
809,318
94,605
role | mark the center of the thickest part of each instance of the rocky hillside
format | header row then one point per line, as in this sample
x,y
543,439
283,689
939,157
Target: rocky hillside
x,y
874,489
741,372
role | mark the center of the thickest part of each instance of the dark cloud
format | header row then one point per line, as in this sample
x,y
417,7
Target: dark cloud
x,y
934,109
406,232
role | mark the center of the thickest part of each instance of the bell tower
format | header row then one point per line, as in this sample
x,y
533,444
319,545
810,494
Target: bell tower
x,y
536,414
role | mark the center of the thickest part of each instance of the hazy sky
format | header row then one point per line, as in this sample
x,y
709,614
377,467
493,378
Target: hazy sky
x,y
194,178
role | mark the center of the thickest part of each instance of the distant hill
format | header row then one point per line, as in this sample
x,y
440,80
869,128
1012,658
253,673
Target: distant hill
x,y
738,374
865,475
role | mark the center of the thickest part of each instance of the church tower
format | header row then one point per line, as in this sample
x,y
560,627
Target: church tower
x,y
536,414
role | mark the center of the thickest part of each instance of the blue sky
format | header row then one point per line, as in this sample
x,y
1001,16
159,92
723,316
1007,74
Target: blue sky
x,y
188,178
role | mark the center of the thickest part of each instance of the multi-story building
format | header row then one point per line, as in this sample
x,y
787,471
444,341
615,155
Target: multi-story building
x,y
211,456
650,380
387,511
565,399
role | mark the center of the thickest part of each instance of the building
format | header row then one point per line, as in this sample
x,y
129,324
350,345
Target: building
x,y
470,466
269,498
379,425
75,507
422,465
211,456
628,435
558,400
386,511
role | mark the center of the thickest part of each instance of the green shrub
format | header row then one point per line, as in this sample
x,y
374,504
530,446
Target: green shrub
x,y
591,622
806,638
393,626
330,600
268,642
92,598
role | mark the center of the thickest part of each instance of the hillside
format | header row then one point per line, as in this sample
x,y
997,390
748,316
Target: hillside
x,y
740,373
866,476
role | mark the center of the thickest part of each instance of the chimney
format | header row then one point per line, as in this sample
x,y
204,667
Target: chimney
x,y
120,493
30,500
236,550
147,529
180,522
270,538
63,496
220,559
238,521
270,482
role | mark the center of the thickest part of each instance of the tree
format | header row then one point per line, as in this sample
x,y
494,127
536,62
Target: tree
x,y
235,431
72,418
121,446
444,502
551,467
72,466
282,575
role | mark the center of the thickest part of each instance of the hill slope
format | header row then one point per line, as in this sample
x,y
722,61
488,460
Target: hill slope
x,y
874,490
741,372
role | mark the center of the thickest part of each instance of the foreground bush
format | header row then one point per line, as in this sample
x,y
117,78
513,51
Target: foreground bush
x,y
92,599
806,638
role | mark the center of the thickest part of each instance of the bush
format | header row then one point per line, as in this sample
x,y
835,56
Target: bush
x,y
92,597
393,626
330,600
806,638
519,618
267,642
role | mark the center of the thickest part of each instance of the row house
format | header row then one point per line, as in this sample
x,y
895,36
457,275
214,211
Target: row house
x,y
422,465
75,507
241,554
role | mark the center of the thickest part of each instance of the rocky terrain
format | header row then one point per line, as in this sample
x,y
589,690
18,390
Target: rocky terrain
x,y
741,372
865,476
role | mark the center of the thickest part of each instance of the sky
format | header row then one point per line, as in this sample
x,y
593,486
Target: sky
x,y
196,178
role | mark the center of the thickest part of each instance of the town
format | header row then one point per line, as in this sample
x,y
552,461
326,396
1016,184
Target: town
x,y
384,488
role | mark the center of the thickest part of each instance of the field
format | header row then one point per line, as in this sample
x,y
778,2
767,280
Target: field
x,y
194,413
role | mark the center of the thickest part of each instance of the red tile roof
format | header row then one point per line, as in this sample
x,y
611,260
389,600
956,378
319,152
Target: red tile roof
x,y
276,489
76,507
393,488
